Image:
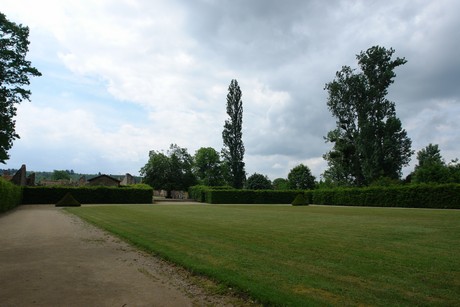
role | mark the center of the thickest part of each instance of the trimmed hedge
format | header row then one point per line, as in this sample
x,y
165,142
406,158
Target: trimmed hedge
x,y
198,192
68,201
10,195
89,195
300,200
224,195
440,196
250,196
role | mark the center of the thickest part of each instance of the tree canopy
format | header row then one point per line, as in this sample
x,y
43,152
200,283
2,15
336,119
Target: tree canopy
x,y
232,135
170,171
258,182
15,71
431,167
208,167
300,178
369,141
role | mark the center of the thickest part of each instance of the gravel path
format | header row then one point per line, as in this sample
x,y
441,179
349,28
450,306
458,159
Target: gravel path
x,y
51,258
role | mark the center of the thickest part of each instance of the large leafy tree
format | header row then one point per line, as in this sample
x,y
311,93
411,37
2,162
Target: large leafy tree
x,y
300,178
431,167
208,167
15,71
258,182
232,135
369,141
170,171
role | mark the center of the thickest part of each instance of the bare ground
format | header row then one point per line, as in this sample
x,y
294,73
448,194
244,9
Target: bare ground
x,y
51,258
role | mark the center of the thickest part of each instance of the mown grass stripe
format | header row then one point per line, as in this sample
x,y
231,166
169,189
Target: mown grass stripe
x,y
312,255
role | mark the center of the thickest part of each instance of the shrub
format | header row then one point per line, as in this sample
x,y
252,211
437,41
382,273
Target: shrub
x,y
68,201
300,200
249,196
199,192
445,196
10,195
89,195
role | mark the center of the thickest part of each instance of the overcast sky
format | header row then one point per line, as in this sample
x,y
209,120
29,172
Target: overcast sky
x,y
124,77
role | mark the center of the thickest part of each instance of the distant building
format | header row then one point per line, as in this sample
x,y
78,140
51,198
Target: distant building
x,y
104,180
20,177
128,180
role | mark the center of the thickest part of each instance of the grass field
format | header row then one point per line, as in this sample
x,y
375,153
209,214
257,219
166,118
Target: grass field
x,y
315,255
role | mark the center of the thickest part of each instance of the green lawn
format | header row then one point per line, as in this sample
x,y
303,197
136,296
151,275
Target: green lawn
x,y
313,255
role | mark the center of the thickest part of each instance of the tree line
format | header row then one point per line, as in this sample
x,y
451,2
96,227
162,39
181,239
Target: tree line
x,y
370,145
176,169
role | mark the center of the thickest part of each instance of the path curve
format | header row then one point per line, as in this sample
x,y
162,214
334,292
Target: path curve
x,y
49,257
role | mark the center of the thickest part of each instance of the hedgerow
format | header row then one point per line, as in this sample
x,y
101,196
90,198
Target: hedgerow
x,y
89,195
199,192
10,195
226,195
441,196
300,200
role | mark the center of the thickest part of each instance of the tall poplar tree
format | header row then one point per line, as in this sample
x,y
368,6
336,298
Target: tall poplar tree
x,y
14,75
233,151
369,141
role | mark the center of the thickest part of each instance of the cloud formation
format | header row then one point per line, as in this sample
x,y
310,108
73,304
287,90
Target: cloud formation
x,y
121,78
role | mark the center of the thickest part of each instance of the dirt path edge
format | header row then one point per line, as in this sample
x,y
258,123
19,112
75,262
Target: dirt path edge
x,y
49,257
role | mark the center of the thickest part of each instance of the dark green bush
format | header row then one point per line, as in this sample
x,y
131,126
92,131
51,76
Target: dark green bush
x,y
441,196
300,200
249,196
445,196
199,192
89,195
10,195
68,201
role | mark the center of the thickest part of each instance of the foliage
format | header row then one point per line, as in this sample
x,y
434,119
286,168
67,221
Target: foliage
x,y
439,196
60,175
10,195
228,195
385,182
207,167
300,178
235,196
369,141
199,192
88,195
454,171
300,200
280,184
15,71
171,171
258,182
431,167
68,201
233,151
303,256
